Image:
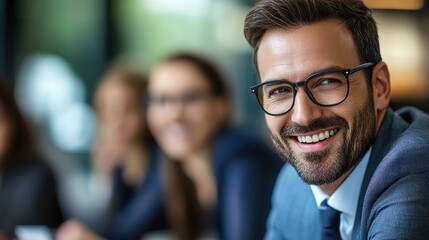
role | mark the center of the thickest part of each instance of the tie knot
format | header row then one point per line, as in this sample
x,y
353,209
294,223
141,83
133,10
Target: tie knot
x,y
330,221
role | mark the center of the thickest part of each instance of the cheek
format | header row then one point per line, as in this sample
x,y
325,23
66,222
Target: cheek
x,y
209,116
201,117
352,108
204,125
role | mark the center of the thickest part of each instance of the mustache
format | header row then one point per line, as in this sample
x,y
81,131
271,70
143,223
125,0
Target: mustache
x,y
317,124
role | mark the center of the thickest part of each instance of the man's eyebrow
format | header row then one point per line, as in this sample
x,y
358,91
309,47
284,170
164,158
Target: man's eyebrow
x,y
327,68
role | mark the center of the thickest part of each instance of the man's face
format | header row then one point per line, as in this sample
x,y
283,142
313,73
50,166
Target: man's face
x,y
350,127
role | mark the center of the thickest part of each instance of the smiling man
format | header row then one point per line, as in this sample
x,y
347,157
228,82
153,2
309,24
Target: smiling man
x,y
357,169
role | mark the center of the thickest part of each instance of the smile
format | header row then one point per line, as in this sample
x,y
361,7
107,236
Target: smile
x,y
317,137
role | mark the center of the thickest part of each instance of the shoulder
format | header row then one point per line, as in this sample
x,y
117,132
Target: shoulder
x,y
409,152
31,171
397,193
404,169
417,133
294,206
290,188
397,208
32,184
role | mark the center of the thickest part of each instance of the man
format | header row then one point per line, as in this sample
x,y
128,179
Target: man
x,y
357,169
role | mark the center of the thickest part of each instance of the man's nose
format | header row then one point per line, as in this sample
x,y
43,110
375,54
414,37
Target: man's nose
x,y
304,110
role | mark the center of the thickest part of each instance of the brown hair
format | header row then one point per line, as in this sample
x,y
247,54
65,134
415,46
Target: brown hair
x,y
21,146
183,208
289,14
132,80
207,69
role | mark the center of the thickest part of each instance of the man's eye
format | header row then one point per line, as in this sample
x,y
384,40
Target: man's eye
x,y
327,83
279,91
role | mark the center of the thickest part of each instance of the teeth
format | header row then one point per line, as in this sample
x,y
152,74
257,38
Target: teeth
x,y
317,137
321,136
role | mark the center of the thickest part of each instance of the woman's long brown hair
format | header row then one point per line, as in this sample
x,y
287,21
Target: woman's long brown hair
x,y
183,208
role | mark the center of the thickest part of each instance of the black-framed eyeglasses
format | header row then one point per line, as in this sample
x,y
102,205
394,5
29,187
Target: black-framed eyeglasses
x,y
325,88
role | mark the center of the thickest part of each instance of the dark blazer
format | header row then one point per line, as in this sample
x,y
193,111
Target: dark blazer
x,y
394,197
28,196
245,169
134,212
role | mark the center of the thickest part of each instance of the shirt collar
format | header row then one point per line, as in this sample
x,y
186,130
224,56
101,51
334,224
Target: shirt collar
x,y
345,198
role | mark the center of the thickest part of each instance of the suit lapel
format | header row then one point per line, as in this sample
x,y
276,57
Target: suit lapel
x,y
391,127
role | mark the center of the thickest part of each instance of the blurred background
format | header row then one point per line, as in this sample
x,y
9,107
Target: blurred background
x,y
54,52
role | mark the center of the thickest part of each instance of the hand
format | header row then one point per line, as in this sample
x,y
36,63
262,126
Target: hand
x,y
74,230
107,156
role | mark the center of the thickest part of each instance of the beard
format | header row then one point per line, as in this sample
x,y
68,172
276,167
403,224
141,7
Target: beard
x,y
328,165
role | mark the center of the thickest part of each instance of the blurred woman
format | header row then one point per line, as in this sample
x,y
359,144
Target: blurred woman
x,y
219,179
122,134
28,194
124,161
125,145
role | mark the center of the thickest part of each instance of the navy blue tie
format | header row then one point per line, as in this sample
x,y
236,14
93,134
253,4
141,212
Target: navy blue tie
x,y
330,222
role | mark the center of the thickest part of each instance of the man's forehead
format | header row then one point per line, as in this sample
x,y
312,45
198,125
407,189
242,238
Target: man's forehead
x,y
305,49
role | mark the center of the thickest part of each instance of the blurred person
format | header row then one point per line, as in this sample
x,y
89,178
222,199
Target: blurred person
x,y
122,135
28,194
127,178
357,169
219,178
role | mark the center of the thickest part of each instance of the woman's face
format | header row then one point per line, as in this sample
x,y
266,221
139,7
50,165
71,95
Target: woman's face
x,y
120,113
5,132
183,114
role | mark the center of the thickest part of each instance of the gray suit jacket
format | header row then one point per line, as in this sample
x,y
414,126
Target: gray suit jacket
x,y
394,198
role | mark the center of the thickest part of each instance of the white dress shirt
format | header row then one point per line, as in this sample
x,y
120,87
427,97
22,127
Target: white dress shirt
x,y
345,198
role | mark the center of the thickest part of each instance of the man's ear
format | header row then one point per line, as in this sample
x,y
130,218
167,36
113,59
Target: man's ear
x,y
381,88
